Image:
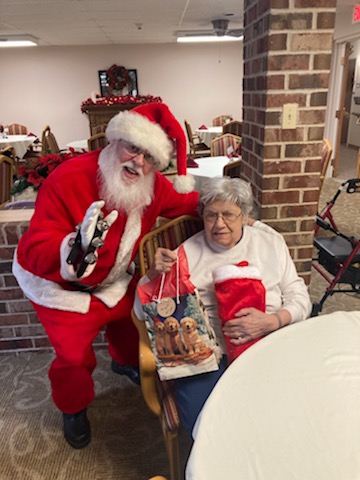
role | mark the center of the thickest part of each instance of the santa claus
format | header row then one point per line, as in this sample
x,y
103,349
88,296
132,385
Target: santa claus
x,y
75,262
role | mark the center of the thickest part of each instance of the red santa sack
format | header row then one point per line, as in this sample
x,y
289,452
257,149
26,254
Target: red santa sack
x,y
181,337
238,286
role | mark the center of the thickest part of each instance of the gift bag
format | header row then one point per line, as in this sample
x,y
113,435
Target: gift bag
x,y
238,286
181,337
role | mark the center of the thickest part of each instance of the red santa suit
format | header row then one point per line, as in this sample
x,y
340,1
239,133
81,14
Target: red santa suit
x,y
73,318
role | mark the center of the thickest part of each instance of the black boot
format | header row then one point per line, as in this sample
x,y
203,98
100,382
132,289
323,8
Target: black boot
x,y
131,372
77,429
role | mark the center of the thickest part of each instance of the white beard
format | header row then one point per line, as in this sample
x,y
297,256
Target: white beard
x,y
117,193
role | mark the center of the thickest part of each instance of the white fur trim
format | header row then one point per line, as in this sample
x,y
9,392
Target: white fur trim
x,y
117,282
49,294
184,183
228,272
142,132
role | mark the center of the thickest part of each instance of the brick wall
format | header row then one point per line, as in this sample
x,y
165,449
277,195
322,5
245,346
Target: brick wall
x,y
287,54
20,330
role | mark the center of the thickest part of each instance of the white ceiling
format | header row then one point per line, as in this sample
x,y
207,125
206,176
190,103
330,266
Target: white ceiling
x,y
106,22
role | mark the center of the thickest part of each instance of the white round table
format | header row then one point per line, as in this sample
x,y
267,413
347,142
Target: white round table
x,y
208,134
287,409
19,142
79,145
208,167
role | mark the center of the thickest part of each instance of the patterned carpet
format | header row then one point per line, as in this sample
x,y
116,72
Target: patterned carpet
x,y
126,438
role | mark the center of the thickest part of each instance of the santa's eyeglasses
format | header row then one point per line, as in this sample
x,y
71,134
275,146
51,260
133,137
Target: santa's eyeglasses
x,y
135,151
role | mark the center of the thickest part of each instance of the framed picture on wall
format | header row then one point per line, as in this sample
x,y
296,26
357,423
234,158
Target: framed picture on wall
x,y
106,91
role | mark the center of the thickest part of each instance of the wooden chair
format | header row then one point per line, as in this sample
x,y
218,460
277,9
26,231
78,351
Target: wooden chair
x,y
234,127
325,159
17,129
197,148
10,152
159,396
220,120
232,169
98,128
219,145
48,142
97,141
7,170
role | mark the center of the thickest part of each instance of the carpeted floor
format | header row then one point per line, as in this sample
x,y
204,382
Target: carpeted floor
x,y
126,442
126,438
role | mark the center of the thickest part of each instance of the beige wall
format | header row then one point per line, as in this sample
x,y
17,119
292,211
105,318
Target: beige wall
x,y
46,85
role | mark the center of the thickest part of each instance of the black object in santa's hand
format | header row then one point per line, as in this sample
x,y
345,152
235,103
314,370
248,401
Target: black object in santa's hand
x,y
97,242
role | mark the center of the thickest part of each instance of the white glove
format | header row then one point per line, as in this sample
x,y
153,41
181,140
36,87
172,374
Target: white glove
x,y
88,225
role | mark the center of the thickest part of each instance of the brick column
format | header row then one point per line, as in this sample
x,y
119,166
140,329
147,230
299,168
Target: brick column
x,y
287,53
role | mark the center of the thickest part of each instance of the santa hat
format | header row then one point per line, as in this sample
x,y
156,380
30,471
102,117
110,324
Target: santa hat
x,y
154,128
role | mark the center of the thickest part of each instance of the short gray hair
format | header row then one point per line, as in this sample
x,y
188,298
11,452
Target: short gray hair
x,y
226,189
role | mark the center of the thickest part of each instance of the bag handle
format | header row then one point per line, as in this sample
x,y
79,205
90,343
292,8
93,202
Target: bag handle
x,y
157,299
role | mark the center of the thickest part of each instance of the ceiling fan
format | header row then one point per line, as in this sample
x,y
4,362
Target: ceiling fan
x,y
220,29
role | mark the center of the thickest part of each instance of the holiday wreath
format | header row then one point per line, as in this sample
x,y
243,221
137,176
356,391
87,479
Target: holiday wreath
x,y
117,77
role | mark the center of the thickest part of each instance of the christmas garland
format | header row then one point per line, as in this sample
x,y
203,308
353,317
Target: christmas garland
x,y
117,77
118,100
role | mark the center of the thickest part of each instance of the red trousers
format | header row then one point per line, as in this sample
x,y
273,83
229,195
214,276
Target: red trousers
x,y
72,335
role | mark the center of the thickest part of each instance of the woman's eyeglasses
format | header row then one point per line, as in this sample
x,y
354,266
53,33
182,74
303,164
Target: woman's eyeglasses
x,y
135,151
228,217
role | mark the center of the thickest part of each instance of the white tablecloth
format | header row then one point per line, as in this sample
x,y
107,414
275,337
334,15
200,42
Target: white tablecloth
x,y
207,135
209,167
79,145
287,409
19,142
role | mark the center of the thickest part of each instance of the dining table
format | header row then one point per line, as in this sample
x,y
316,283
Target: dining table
x,y
208,134
288,408
208,167
78,145
19,142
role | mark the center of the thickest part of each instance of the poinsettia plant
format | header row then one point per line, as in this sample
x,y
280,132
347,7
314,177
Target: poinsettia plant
x,y
36,170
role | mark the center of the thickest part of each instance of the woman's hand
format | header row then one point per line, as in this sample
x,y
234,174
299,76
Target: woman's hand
x,y
251,323
163,261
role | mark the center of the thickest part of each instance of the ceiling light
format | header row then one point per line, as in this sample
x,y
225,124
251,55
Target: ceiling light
x,y
208,38
18,41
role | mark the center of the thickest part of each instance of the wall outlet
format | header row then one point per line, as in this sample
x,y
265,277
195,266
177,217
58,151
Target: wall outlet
x,y
289,116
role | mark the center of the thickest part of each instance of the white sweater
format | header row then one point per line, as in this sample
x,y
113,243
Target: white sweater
x,y
260,246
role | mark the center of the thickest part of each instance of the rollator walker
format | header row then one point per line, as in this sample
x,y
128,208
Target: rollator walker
x,y
338,255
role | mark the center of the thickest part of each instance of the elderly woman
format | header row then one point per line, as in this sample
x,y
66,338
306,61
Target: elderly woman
x,y
227,239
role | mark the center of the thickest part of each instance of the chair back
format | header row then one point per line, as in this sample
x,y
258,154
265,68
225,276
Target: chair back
x,y
98,128
189,132
7,170
219,145
97,141
49,143
220,120
234,127
232,169
196,147
169,235
325,159
10,152
17,129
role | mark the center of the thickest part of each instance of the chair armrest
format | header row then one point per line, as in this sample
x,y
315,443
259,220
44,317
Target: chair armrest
x,y
147,366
